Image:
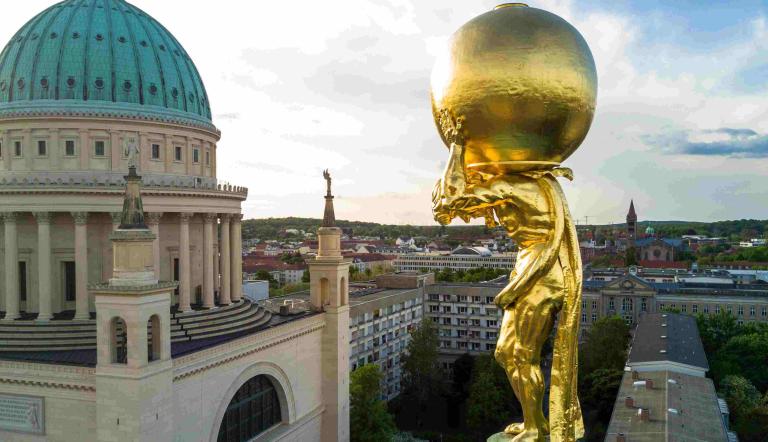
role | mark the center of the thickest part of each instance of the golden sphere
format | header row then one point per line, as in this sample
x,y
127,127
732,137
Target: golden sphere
x,y
522,81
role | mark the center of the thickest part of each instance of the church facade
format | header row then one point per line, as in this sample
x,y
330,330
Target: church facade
x,y
116,332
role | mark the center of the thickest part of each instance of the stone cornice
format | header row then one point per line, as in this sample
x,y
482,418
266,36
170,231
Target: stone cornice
x,y
198,362
47,376
53,190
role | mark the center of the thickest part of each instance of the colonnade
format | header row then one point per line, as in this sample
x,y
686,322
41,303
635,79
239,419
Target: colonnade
x,y
228,266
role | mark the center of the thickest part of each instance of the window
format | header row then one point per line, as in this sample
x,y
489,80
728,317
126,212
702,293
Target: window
x,y
764,312
643,305
611,304
684,308
69,280
98,148
741,310
751,310
42,148
207,158
583,317
254,409
69,148
695,308
22,280
729,309
594,316
177,153
155,151
17,151
706,308
717,309
594,305
119,337
195,155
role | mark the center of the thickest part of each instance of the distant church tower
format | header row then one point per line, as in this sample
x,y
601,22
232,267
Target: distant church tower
x,y
329,293
134,371
631,224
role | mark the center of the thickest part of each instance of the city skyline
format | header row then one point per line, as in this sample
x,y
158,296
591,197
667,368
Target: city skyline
x,y
680,125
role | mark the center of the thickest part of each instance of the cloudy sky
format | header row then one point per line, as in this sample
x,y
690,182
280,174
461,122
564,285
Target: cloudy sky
x,y
298,86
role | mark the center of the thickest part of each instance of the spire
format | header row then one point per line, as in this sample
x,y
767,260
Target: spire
x,y
133,210
329,218
631,216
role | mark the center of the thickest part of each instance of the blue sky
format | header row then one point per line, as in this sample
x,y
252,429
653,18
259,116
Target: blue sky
x,y
297,87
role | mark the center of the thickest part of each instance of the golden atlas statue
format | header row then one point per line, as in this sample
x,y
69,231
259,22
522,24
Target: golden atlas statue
x,y
513,96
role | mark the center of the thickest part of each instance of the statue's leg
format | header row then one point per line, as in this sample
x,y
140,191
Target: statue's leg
x,y
503,355
534,320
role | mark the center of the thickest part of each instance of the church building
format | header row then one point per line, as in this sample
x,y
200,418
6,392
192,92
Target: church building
x,y
121,308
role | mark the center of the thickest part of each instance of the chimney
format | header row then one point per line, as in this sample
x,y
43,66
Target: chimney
x,y
649,384
644,413
629,402
621,437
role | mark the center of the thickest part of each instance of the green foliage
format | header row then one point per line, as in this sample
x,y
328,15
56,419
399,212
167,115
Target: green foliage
x,y
597,392
305,276
751,254
491,403
746,355
630,258
288,289
264,275
605,346
471,275
272,228
292,258
740,395
716,330
422,378
369,420
462,374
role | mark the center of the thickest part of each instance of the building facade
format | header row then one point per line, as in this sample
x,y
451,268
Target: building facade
x,y
122,315
467,319
65,123
463,258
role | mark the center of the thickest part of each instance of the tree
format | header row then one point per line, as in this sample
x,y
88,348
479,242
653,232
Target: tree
x,y
597,392
605,346
742,397
716,330
264,275
491,405
369,419
305,276
422,377
743,355
630,259
462,375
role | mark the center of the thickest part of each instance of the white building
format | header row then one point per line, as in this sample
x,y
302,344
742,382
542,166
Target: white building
x,y
462,258
128,357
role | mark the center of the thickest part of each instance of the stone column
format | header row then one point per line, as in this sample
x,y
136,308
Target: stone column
x,y
82,309
184,271
224,242
208,222
11,267
44,256
153,222
188,157
216,262
236,250
168,153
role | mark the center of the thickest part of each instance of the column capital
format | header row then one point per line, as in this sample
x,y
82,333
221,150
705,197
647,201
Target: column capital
x,y
117,217
237,217
153,217
225,217
185,217
210,217
43,217
9,216
80,217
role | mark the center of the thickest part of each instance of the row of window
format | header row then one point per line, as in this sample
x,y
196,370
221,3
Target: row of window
x,y
717,309
99,150
460,298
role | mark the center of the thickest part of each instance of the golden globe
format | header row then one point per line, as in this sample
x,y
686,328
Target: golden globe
x,y
523,82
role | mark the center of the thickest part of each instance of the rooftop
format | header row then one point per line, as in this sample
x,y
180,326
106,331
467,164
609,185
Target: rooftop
x,y
668,337
680,408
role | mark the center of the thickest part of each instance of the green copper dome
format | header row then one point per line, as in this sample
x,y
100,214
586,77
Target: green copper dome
x,y
103,58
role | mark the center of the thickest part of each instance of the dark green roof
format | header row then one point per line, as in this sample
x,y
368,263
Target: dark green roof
x,y
103,57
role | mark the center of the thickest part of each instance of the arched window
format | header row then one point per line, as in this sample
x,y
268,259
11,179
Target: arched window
x,y
153,338
254,409
119,340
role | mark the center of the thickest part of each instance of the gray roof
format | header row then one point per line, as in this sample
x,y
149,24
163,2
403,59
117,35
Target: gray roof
x,y
681,342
